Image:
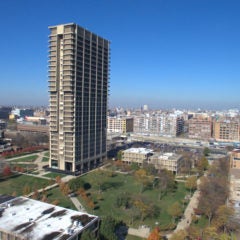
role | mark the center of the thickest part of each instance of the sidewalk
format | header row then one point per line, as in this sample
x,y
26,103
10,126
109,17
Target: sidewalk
x,y
189,212
142,231
77,204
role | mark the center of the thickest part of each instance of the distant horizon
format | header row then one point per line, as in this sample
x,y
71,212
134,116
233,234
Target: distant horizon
x,y
197,108
167,54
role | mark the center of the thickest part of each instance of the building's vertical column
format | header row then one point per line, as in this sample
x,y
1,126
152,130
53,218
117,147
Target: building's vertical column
x,y
61,107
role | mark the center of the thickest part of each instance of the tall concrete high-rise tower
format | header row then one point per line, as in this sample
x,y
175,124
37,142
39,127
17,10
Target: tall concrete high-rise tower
x,y
78,86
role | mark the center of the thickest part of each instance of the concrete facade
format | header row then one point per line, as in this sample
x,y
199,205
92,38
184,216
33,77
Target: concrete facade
x,y
136,155
78,87
235,159
120,124
170,161
160,124
200,128
226,130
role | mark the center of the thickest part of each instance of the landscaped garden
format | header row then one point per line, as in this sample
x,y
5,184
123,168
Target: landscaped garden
x,y
53,175
18,184
55,196
46,154
123,197
45,159
31,158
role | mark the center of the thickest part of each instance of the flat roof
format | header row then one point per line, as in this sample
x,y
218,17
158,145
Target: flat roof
x,y
139,150
167,156
32,219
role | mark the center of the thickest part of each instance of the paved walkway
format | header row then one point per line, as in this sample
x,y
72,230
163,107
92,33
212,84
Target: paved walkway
x,y
142,231
189,212
77,204
26,155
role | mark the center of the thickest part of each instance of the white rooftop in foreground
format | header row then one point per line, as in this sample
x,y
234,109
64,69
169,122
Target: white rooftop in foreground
x,y
32,219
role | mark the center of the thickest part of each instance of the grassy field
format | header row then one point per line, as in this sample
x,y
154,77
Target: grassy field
x,y
17,183
201,223
54,175
46,154
56,194
126,183
25,159
45,159
26,166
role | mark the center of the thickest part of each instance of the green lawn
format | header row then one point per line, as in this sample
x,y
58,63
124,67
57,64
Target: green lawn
x,y
17,183
45,159
201,223
46,154
126,183
26,166
56,194
25,159
54,175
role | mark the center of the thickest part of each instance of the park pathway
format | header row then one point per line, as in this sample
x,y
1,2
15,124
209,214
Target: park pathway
x,y
142,231
189,212
77,204
22,156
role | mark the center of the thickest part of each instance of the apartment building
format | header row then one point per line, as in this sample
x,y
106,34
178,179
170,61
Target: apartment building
x,y
160,124
136,155
170,161
78,87
120,124
234,177
235,159
140,123
200,128
226,130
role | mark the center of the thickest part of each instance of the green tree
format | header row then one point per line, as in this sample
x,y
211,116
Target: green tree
x,y
165,183
26,190
191,183
107,228
206,151
214,192
222,221
76,183
202,165
145,206
134,166
99,179
124,200
175,211
119,155
179,235
142,178
187,163
87,235
210,233
150,169
194,232
225,236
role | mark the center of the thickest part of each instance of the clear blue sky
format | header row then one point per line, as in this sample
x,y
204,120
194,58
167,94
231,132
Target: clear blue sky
x,y
164,53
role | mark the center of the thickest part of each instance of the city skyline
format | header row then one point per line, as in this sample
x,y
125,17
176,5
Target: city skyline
x,y
182,54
